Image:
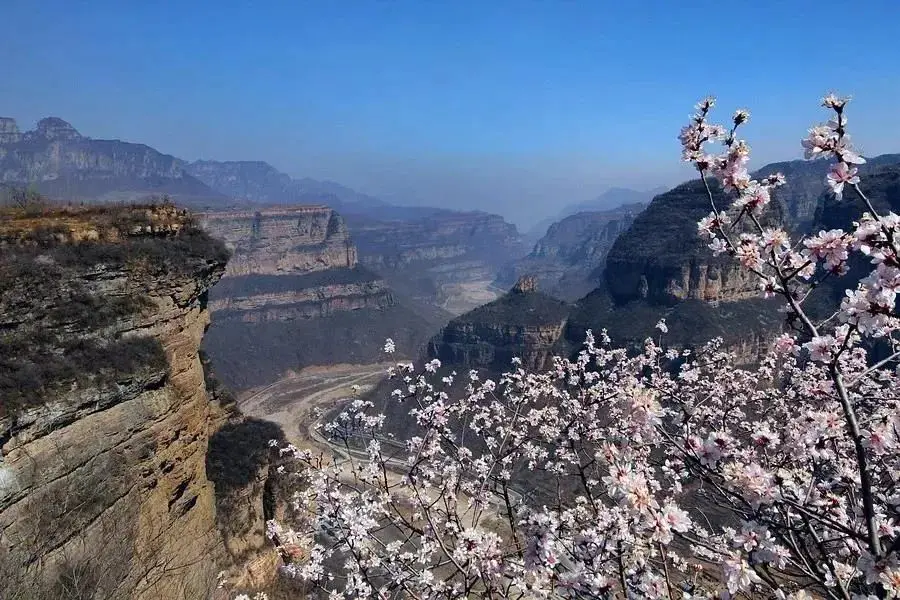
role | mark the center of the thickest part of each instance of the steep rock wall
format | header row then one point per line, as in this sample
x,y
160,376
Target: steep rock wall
x,y
294,295
106,421
662,260
282,241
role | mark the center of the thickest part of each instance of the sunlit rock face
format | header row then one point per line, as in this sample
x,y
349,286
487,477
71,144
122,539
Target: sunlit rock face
x,y
105,419
285,241
295,295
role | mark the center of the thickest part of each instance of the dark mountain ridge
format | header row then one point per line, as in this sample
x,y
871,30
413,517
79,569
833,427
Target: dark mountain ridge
x,y
258,182
58,161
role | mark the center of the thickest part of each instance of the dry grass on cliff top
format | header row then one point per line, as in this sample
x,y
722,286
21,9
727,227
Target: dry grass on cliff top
x,y
46,222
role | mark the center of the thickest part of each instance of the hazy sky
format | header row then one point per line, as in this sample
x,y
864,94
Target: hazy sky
x,y
518,107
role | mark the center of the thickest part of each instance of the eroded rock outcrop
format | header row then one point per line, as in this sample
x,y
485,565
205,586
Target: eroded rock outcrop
x,y
105,419
523,323
294,295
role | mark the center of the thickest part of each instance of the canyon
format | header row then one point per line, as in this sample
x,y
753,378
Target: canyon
x,y
444,259
442,262
655,268
294,295
127,469
568,260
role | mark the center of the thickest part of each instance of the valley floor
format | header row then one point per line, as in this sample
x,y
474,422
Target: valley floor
x,y
463,297
296,402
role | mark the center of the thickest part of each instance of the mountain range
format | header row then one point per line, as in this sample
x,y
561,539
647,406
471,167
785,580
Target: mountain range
x,y
60,162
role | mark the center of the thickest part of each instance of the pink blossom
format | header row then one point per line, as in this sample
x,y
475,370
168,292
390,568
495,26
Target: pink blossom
x,y
820,142
839,175
820,348
830,246
739,575
784,343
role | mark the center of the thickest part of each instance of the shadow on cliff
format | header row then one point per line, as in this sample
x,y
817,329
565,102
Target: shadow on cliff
x,y
240,463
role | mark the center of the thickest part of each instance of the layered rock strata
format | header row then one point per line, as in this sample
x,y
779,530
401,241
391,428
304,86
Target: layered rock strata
x,y
294,295
105,419
523,323
663,260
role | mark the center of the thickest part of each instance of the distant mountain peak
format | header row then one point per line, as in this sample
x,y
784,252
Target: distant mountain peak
x,y
54,128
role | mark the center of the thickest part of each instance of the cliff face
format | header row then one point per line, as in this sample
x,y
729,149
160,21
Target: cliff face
x,y
805,191
567,261
62,163
661,259
523,323
105,421
294,295
283,241
446,259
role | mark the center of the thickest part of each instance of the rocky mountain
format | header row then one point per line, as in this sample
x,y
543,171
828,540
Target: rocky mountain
x,y
661,258
608,200
60,162
568,260
106,484
661,268
444,259
295,295
805,190
523,323
881,184
260,183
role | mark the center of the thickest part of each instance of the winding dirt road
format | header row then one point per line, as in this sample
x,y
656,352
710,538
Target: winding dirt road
x,y
294,402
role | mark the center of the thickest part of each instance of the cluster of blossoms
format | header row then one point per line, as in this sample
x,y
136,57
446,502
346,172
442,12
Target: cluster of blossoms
x,y
654,474
784,267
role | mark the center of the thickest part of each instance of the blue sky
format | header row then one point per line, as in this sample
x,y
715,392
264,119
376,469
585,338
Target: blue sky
x,y
519,107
